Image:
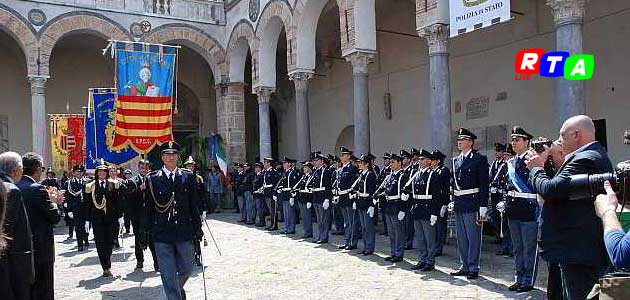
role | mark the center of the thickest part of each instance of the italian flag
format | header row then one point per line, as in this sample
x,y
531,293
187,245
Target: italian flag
x,y
222,159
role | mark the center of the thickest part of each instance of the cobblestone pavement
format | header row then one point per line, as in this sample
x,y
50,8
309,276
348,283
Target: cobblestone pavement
x,y
259,265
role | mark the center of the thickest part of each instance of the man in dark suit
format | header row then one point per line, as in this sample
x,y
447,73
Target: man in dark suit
x,y
570,231
17,260
43,214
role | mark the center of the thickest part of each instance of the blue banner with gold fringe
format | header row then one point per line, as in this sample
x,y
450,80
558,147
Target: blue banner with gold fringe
x,y
99,130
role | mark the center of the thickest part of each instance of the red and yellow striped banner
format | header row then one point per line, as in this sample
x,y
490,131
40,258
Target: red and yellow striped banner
x,y
142,122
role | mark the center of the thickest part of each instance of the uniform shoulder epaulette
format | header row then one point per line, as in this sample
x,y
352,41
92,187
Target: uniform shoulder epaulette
x,y
89,188
186,171
115,182
153,172
199,178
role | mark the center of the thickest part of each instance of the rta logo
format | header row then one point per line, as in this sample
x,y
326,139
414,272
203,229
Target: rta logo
x,y
553,64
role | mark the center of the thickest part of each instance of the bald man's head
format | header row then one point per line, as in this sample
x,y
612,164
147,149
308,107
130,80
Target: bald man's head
x,y
576,132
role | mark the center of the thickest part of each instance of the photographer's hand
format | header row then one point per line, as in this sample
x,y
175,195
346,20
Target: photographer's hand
x,y
539,159
605,207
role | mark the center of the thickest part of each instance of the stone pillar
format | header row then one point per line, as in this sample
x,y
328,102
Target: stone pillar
x,y
302,120
264,125
360,61
38,115
568,17
231,118
440,88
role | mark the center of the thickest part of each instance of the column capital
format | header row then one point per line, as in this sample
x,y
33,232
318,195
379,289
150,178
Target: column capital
x,y
360,61
300,79
437,38
567,11
38,83
264,94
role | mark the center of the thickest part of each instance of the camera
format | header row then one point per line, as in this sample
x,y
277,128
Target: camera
x,y
539,144
590,185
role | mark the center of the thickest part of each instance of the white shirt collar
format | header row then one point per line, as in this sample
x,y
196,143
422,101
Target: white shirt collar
x,y
465,154
167,172
579,149
522,155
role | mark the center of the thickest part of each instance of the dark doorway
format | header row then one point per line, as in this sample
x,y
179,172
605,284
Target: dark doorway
x,y
600,132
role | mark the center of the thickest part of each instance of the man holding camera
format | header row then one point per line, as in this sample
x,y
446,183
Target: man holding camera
x,y
570,231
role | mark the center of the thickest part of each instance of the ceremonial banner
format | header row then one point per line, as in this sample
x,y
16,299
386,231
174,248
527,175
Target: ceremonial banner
x,y
67,140
99,131
469,15
216,152
144,82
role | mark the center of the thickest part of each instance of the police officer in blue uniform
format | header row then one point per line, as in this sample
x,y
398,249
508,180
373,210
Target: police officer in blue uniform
x,y
363,202
470,198
302,195
238,177
346,175
138,203
395,208
443,177
321,193
425,210
498,178
521,210
290,177
76,208
270,180
247,188
381,177
173,220
409,168
258,194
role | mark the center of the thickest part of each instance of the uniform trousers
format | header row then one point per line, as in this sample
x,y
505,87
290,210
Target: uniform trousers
x,y
323,221
578,280
427,242
337,215
272,205
289,215
81,234
409,230
307,221
104,235
139,247
350,226
176,265
261,207
524,235
468,240
368,230
44,285
441,229
506,241
250,207
396,234
242,208
385,231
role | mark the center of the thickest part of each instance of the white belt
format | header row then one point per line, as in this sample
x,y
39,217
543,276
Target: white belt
x,y
305,191
423,197
344,192
465,192
392,197
494,190
319,189
364,195
515,194
285,189
267,185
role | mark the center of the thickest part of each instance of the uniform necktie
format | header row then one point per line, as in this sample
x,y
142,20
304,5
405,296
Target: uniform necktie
x,y
102,185
171,178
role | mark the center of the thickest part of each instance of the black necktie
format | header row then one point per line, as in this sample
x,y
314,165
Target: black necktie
x,y
171,178
102,184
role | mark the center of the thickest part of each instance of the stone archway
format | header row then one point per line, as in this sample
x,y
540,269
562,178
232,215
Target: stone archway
x,y
242,40
345,137
22,32
65,24
275,16
305,21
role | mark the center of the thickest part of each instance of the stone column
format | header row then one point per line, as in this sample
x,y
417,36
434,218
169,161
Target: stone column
x,y
264,125
360,61
440,89
231,118
38,115
302,120
568,17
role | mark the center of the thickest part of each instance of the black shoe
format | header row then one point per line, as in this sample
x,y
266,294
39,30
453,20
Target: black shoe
x,y
241,221
427,268
260,225
249,223
107,273
323,242
383,233
418,266
408,247
459,273
389,258
289,232
473,275
283,232
139,265
524,288
366,253
307,236
514,286
273,228
342,246
80,249
351,247
397,259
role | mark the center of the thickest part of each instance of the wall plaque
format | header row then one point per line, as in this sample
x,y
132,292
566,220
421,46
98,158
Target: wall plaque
x,y
477,108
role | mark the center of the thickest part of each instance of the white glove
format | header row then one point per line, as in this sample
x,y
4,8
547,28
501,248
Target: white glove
x,y
483,211
308,205
451,206
65,204
352,196
203,215
70,215
291,201
370,211
87,228
374,201
404,197
433,219
443,211
501,206
121,222
326,204
401,215
275,198
335,199
354,205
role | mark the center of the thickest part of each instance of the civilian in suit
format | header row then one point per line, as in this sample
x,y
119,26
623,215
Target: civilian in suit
x,y
43,214
570,231
17,261
138,204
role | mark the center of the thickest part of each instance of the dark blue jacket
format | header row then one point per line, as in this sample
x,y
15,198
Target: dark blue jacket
x,y
75,200
42,215
364,188
300,190
393,186
238,179
321,184
181,222
443,181
423,184
270,180
346,176
285,185
470,174
257,185
520,209
570,231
